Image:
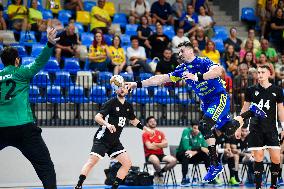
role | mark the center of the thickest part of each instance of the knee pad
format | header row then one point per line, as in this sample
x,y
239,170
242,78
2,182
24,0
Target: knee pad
x,y
205,127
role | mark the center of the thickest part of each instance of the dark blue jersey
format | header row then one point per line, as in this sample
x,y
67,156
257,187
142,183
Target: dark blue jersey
x,y
204,89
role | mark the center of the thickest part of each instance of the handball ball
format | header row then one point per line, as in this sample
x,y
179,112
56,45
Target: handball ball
x,y
116,82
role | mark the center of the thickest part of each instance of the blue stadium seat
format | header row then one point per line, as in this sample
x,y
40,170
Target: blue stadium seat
x,y
64,16
27,38
144,76
125,40
221,32
1,66
34,95
52,66
248,14
219,44
54,94
127,77
103,79
120,18
98,94
169,31
47,14
183,96
43,39
41,79
88,5
21,50
36,49
63,79
79,27
27,60
131,29
71,65
87,38
76,95
162,96
108,39
141,96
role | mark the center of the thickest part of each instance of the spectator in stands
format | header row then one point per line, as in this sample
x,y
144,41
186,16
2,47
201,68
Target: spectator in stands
x,y
3,25
196,49
153,149
178,8
251,36
157,42
248,47
17,13
206,22
263,60
248,59
166,64
233,40
266,13
74,5
189,20
68,43
279,70
136,56
232,60
177,39
98,53
100,18
211,52
192,149
277,29
269,52
201,38
162,12
144,31
117,57
139,9
198,3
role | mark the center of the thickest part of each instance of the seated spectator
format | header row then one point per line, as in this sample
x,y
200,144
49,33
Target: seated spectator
x,y
196,49
198,3
179,38
162,12
248,47
248,59
143,32
73,5
153,149
251,36
233,40
178,8
167,64
157,42
100,18
17,13
140,8
189,20
263,61
192,149
266,13
231,60
201,38
117,57
98,54
3,25
211,52
67,44
279,70
269,52
277,29
136,56
206,22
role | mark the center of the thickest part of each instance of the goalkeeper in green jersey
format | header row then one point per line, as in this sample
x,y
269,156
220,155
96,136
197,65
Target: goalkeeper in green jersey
x,y
17,127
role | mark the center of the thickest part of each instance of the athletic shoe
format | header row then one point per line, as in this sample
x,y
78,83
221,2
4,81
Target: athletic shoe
x,y
233,181
185,182
213,172
257,111
78,187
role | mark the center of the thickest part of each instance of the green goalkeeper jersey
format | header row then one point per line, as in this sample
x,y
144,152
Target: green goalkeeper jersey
x,y
14,91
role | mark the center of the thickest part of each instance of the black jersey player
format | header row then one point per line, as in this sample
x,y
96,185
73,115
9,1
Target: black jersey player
x,y
263,131
112,118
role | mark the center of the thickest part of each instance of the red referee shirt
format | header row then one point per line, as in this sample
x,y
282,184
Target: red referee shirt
x,y
157,138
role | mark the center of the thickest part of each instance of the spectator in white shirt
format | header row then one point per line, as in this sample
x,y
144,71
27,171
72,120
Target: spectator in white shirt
x,y
179,38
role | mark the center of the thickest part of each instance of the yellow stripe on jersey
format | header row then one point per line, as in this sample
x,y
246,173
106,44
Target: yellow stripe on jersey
x,y
220,107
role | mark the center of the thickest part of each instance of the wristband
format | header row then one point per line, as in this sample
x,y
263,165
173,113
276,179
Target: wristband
x,y
139,126
139,84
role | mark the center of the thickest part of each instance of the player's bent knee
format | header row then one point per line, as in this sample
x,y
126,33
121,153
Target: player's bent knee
x,y
205,127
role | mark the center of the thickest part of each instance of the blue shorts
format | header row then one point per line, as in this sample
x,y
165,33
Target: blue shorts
x,y
218,109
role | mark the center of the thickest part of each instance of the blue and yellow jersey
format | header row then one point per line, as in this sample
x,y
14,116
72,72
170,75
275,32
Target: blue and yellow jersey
x,y
204,89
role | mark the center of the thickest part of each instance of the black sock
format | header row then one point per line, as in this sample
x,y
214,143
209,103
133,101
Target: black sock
x,y
116,183
258,170
213,155
81,180
274,173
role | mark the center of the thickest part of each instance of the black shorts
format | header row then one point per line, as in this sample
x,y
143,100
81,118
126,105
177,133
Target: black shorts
x,y
101,148
263,140
160,157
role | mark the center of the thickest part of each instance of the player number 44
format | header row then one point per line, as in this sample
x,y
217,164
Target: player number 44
x,y
261,104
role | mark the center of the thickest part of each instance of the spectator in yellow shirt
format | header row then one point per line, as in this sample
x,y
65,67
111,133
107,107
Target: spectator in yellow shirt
x,y
100,18
98,53
211,52
117,57
18,13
